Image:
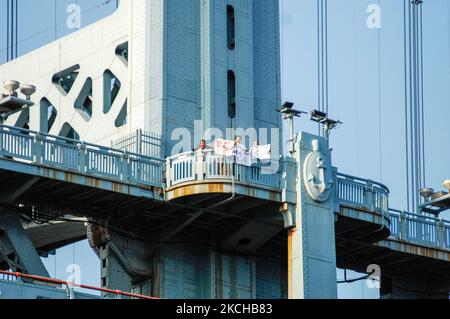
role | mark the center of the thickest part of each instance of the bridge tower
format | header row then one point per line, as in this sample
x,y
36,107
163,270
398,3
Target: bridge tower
x,y
199,65
203,64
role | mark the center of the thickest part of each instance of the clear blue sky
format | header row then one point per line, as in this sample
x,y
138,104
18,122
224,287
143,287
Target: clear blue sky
x,y
366,91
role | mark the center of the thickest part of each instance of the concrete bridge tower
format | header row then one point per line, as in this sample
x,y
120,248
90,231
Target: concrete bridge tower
x,y
157,66
214,61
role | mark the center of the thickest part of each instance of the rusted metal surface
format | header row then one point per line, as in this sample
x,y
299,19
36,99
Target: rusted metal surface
x,y
415,249
57,282
365,215
221,187
103,183
290,259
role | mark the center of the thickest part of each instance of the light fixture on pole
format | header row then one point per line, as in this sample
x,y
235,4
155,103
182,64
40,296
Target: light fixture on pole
x,y
426,193
328,124
446,184
11,103
435,202
289,113
28,91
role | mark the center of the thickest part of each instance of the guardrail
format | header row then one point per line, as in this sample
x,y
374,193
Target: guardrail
x,y
426,230
80,157
141,142
362,194
14,276
366,194
204,165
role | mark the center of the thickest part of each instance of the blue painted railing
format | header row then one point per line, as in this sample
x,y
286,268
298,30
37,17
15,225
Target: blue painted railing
x,y
364,194
425,230
198,166
80,157
85,158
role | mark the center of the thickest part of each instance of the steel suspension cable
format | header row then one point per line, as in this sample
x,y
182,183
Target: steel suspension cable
x,y
405,42
379,101
414,102
8,31
322,61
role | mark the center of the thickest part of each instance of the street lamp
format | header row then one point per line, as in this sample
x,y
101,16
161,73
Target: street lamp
x,y
11,103
328,124
435,202
289,113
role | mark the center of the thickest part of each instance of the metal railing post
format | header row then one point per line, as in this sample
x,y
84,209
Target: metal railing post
x,y
125,169
403,226
369,196
420,234
82,158
441,234
168,172
70,293
139,141
38,147
1,140
199,165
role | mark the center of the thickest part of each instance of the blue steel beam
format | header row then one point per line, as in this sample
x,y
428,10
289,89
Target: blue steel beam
x,y
80,179
27,257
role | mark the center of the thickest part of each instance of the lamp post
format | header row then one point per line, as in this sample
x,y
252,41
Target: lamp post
x,y
435,202
11,103
327,123
288,115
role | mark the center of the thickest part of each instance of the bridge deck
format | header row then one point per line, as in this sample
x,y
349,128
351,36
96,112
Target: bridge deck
x,y
54,175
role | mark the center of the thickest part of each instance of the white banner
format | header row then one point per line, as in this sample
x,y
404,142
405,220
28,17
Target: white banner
x,y
261,152
223,147
242,156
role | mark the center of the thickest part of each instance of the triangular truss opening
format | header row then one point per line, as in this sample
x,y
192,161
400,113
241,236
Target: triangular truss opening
x,y
84,100
65,79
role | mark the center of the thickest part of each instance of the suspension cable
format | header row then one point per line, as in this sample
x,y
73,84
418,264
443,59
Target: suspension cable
x,y
414,102
380,111
322,60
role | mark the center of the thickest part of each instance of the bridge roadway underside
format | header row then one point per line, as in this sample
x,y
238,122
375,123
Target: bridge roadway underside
x,y
235,227
41,196
238,225
408,270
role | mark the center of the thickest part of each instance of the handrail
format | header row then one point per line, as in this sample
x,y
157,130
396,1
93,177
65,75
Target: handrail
x,y
365,181
83,157
69,284
205,165
361,193
366,194
426,230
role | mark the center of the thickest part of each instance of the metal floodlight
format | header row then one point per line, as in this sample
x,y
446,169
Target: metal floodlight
x,y
328,124
288,111
318,116
28,91
11,103
435,202
11,86
426,193
321,118
446,184
288,105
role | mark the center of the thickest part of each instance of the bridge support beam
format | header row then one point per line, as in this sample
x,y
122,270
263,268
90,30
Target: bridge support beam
x,y
408,287
311,243
124,262
14,237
